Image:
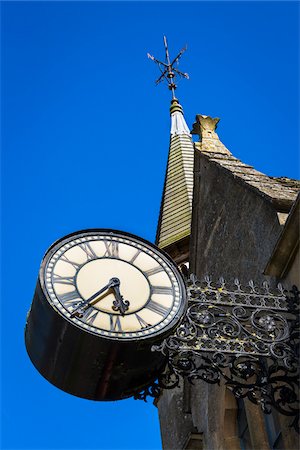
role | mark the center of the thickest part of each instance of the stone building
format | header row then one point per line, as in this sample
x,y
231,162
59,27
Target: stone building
x,y
221,217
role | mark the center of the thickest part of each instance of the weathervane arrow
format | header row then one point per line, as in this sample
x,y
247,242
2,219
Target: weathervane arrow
x,y
167,69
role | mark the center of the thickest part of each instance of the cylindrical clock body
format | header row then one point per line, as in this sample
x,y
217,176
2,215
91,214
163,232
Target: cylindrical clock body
x,y
83,364
109,360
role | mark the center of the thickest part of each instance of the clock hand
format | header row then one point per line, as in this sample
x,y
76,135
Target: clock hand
x,y
113,282
119,304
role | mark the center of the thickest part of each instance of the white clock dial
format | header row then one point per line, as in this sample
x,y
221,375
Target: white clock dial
x,y
78,276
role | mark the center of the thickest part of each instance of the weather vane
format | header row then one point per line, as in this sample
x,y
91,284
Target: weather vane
x,y
168,71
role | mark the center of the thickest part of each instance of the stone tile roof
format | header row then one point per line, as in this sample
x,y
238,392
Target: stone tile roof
x,y
281,192
289,182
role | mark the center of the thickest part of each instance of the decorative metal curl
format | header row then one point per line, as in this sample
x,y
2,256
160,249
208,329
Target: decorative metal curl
x,y
248,337
167,380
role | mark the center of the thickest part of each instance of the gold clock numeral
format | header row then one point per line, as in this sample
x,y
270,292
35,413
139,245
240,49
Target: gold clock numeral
x,y
115,323
135,256
89,316
90,254
70,298
153,271
162,290
142,322
56,278
112,249
73,263
158,308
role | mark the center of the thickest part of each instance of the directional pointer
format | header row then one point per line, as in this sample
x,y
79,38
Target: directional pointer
x,y
119,304
113,283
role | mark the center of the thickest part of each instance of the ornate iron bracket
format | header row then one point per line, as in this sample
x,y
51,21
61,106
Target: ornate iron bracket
x,y
249,337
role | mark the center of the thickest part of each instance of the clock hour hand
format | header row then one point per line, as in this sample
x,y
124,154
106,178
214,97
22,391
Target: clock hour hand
x,y
119,304
113,282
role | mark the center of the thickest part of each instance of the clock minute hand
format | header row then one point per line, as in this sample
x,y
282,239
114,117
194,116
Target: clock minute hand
x,y
113,282
119,304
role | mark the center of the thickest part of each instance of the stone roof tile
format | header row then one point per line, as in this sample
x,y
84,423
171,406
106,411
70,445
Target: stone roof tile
x,y
282,191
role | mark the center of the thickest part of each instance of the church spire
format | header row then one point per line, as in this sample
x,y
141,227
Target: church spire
x,y
174,225
175,217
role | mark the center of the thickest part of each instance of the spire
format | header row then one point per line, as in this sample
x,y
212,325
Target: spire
x,y
174,225
176,206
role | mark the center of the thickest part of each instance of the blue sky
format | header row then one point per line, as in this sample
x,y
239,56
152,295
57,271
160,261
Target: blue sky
x,y
85,137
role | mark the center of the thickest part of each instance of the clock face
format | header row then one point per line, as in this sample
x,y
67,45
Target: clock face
x,y
114,284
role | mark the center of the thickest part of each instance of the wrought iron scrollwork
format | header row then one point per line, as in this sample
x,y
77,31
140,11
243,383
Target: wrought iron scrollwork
x,y
248,337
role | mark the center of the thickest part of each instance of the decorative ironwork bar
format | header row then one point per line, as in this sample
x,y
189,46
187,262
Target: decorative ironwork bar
x,y
247,336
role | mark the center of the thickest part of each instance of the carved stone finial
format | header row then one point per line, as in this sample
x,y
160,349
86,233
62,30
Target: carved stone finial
x,y
205,127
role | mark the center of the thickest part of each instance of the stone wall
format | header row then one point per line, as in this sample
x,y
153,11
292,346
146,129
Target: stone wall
x,y
233,230
238,215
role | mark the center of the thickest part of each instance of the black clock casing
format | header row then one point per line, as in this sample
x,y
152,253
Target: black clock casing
x,y
103,355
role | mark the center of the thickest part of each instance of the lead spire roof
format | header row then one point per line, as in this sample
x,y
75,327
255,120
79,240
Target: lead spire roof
x,y
174,223
176,205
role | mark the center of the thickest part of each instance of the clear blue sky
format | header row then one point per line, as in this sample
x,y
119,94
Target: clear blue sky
x,y
85,137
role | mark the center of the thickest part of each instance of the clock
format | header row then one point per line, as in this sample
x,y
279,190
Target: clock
x,y
103,299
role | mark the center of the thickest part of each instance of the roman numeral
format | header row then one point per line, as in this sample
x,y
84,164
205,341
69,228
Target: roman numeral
x,y
90,254
134,257
70,298
142,322
67,260
153,271
162,290
115,323
158,308
63,280
112,249
89,316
